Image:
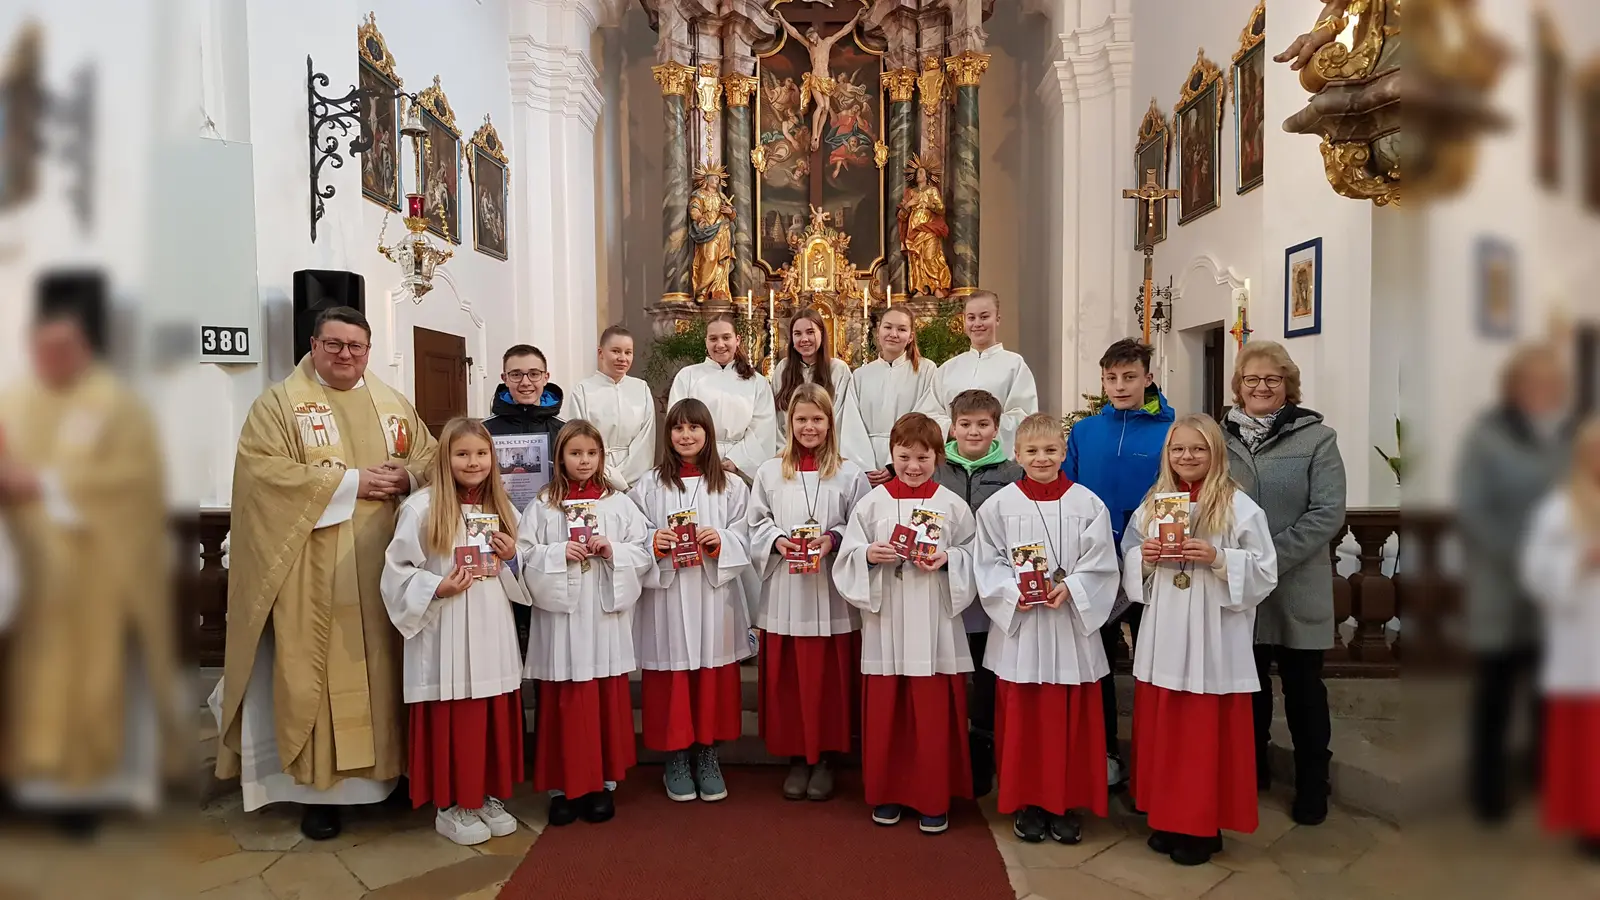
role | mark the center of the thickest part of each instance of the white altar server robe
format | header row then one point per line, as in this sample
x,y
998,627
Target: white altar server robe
x,y
854,444
458,648
910,625
801,605
1567,590
625,413
582,622
1000,372
886,391
694,618
742,408
1043,645
1201,639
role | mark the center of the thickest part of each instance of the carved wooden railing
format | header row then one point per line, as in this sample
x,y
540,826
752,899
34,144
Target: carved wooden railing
x,y
203,591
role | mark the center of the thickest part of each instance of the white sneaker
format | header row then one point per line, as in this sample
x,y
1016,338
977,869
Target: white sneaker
x,y
494,815
461,826
1115,772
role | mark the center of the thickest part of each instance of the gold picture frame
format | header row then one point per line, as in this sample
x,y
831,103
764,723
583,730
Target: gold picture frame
x,y
440,183
1248,81
1198,120
489,170
380,84
1152,150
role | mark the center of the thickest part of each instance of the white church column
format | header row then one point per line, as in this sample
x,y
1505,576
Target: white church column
x,y
556,104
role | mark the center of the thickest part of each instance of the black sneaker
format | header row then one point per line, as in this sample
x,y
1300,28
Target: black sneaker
x,y
1189,850
1310,806
1162,842
1030,824
562,810
1066,829
597,807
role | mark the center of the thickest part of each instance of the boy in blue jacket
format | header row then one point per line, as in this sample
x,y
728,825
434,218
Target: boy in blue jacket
x,y
1117,454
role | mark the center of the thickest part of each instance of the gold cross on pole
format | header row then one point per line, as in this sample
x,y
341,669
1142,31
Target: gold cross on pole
x,y
1150,193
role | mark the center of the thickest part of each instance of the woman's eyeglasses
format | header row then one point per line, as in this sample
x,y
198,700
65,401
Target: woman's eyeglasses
x,y
1271,381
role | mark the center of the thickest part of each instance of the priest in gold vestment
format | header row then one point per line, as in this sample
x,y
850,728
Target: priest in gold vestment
x,y
310,707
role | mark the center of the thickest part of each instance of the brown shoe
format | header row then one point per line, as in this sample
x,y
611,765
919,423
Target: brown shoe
x,y
794,787
820,787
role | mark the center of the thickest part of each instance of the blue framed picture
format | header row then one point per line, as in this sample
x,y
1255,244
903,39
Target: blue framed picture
x,y
1497,288
1302,289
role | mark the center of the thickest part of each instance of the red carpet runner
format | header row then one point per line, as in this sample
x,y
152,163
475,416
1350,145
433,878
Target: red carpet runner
x,y
755,845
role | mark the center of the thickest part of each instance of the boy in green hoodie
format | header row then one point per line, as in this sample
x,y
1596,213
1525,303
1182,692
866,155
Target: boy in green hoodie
x,y
976,467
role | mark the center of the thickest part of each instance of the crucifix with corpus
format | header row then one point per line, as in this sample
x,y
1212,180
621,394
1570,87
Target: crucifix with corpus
x,y
1149,194
818,28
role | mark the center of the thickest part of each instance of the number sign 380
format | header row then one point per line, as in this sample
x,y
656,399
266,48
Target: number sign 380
x,y
219,341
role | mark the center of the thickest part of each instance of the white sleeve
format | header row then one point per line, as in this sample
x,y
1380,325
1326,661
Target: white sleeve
x,y
959,567
1552,558
760,440
642,449
734,554
57,507
1252,567
993,571
855,444
1092,582
1020,403
680,387
342,508
855,578
1133,580
762,529
544,566
572,405
406,585
630,562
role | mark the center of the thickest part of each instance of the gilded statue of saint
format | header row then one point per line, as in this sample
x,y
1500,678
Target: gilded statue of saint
x,y
923,230
711,228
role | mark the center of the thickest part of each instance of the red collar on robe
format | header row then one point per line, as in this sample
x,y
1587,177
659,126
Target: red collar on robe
x,y
1193,489
472,496
1045,491
808,461
589,490
688,470
899,490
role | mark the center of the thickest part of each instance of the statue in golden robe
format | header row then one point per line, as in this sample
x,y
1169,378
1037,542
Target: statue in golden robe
x,y
711,218
923,230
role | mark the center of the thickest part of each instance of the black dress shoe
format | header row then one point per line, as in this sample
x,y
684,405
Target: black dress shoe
x,y
79,826
1189,850
598,807
981,750
562,811
1310,807
320,823
1066,829
1162,842
1590,848
1030,825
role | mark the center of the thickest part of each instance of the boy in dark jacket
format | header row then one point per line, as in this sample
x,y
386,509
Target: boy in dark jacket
x,y
976,467
1117,454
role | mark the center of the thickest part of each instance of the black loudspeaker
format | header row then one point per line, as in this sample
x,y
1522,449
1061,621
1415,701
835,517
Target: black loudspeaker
x,y
318,289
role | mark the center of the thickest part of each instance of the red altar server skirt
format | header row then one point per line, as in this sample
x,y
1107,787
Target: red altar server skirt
x,y
914,741
809,690
1572,765
695,706
584,735
1050,747
464,750
1194,760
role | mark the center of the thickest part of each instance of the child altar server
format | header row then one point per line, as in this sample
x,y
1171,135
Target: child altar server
x,y
1047,575
906,562
899,381
463,677
1561,569
810,637
584,557
692,621
1198,554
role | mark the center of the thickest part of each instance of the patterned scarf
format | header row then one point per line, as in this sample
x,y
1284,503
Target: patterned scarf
x,y
1253,429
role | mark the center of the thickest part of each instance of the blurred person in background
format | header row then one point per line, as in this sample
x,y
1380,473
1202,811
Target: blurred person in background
x,y
1509,459
309,708
1288,461
1561,571
92,710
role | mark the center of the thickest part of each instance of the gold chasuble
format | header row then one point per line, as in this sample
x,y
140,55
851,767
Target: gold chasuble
x,y
337,674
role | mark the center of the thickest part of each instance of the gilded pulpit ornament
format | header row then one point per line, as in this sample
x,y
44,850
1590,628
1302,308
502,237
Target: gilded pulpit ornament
x,y
674,78
711,217
967,67
923,230
931,86
708,92
818,84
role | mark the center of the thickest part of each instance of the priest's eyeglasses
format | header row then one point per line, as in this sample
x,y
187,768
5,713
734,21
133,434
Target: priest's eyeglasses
x,y
334,348
517,375
1271,381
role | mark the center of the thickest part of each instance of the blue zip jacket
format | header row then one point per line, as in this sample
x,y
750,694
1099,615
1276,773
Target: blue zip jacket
x,y
1117,455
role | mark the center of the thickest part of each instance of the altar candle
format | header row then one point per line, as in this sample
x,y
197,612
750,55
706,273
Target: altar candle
x,y
749,303
865,299
772,309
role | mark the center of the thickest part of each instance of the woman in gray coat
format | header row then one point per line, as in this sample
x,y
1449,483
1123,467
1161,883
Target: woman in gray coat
x,y
1289,463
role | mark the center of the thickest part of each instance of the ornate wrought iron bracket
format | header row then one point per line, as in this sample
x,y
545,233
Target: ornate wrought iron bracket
x,y
1161,312
322,112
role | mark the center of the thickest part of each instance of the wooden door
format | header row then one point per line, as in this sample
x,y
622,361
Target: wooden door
x,y
1213,379
441,386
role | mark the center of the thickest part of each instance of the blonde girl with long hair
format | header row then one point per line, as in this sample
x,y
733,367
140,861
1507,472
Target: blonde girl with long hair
x,y
462,668
1194,664
899,381
810,637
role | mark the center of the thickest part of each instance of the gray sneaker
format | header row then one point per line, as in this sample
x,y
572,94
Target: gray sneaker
x,y
678,778
820,785
709,773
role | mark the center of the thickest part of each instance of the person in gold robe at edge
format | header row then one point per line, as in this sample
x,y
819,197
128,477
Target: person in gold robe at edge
x,y
92,718
310,707
711,228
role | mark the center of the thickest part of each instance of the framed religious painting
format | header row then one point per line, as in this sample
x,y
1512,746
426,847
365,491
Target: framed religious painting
x,y
1496,288
1151,155
1589,115
1550,72
380,89
22,118
490,172
1302,289
1249,78
441,164
1199,117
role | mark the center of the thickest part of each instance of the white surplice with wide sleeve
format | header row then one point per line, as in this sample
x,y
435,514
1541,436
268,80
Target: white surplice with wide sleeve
x,y
888,390
854,444
1567,590
458,648
582,622
910,625
696,617
1042,645
1201,639
625,413
1000,372
742,408
801,605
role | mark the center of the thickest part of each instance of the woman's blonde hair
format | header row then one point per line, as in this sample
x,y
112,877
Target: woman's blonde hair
x,y
827,455
1040,425
1212,516
444,506
1273,353
1582,485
